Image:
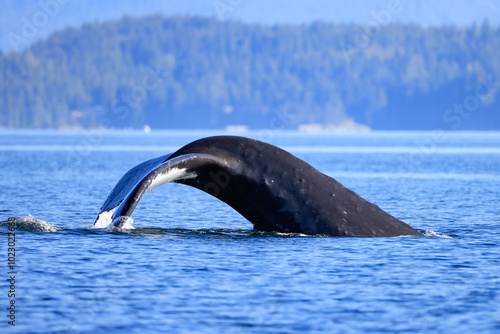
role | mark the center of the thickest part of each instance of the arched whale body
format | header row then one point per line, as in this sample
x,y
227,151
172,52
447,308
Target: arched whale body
x,y
270,187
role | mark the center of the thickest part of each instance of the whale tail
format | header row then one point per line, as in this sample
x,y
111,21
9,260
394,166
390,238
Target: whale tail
x,y
271,188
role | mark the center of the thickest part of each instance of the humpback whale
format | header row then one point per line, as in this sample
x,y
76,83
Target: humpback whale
x,y
270,187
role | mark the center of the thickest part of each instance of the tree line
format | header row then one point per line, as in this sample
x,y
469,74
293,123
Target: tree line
x,y
195,72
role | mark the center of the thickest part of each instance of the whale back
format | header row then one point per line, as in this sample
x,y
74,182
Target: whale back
x,y
277,191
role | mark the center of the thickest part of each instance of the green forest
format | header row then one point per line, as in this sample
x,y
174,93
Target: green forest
x,y
195,72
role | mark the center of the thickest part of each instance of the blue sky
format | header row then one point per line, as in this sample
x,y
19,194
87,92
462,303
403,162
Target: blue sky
x,y
49,15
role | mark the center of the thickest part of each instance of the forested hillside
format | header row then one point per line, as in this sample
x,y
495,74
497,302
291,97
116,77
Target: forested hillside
x,y
192,72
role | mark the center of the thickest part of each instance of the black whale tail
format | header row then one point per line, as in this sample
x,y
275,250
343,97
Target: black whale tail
x,y
267,185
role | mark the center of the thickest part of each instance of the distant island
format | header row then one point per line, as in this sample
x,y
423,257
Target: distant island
x,y
195,72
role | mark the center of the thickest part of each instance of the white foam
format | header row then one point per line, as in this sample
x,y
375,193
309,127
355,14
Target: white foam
x,y
31,224
122,223
431,233
290,234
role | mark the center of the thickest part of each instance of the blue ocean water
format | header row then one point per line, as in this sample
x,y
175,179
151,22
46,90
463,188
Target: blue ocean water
x,y
193,265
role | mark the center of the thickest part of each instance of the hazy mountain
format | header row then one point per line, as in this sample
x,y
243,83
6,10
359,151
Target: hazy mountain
x,y
198,72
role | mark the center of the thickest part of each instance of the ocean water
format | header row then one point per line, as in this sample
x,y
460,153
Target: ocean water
x,y
193,265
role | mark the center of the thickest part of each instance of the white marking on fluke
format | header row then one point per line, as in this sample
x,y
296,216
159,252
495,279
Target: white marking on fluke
x,y
171,175
105,218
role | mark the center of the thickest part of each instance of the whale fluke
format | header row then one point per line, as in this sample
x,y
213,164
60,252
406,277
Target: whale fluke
x,y
270,187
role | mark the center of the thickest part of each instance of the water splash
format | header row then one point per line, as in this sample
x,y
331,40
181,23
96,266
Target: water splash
x,y
30,224
431,233
122,223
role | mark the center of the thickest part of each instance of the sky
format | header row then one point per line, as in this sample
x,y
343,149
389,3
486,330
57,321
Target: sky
x,y
36,19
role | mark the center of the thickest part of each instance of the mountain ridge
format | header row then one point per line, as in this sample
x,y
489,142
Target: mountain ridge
x,y
198,72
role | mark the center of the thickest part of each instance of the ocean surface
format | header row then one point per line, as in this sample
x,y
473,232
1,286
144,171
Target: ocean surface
x,y
193,265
